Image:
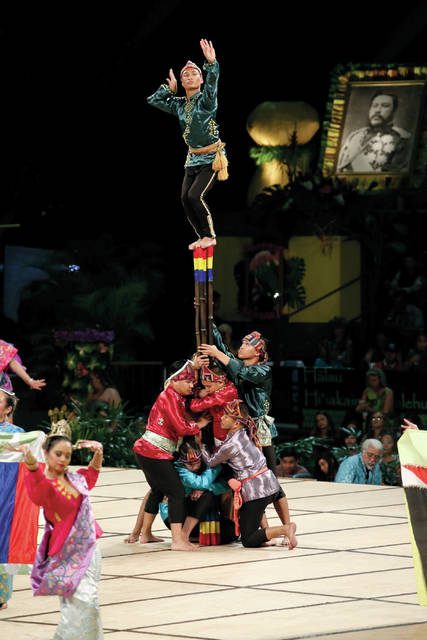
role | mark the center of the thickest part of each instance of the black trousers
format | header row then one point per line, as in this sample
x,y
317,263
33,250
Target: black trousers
x,y
199,508
164,480
197,183
250,516
270,458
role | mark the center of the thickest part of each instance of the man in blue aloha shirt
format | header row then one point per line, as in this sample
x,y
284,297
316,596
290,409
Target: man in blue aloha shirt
x,y
363,468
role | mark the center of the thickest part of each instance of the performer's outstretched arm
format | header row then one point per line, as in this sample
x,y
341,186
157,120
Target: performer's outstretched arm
x,y
164,98
217,338
211,66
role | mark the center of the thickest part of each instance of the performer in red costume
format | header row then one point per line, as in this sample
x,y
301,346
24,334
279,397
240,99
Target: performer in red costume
x,y
217,391
154,453
68,560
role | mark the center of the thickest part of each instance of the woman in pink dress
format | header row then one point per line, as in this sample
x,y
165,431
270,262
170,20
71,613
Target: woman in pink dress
x,y
68,561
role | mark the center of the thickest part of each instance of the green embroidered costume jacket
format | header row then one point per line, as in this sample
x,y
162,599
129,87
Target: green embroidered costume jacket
x,y
254,383
196,115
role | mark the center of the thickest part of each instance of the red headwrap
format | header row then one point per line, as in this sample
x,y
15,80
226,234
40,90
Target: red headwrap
x,y
256,341
186,372
232,409
190,455
190,65
210,376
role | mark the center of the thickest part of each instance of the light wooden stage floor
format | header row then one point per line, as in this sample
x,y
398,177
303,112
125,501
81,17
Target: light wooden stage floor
x,y
351,577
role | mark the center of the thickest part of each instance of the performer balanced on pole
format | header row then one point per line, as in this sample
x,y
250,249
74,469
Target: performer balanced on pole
x,y
206,161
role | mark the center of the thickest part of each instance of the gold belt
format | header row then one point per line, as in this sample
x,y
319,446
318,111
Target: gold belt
x,y
220,163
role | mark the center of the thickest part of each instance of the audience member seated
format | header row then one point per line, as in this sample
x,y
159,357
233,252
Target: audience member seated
x,y
408,279
417,357
340,345
322,359
376,396
326,467
404,317
392,360
349,436
390,463
324,426
363,468
336,352
103,393
376,426
376,351
289,467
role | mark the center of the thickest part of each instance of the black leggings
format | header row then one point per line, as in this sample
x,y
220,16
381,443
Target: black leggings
x,y
164,480
198,181
250,516
270,458
199,508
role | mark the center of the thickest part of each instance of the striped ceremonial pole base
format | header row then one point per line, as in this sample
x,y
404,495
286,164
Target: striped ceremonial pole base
x,y
209,530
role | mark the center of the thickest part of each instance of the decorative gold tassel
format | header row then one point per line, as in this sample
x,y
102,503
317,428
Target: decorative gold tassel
x,y
220,165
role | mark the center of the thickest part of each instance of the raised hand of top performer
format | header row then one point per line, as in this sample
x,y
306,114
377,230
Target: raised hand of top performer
x,y
173,85
208,50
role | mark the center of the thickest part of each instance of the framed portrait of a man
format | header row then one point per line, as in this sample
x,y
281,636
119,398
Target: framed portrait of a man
x,y
375,125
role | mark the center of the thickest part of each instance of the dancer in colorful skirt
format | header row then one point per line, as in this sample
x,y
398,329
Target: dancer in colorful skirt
x,y
206,162
255,485
154,453
251,372
68,560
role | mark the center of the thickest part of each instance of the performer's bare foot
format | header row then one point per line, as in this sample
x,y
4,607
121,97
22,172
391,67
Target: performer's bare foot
x,y
184,546
289,539
145,538
131,539
3,606
207,242
270,543
194,245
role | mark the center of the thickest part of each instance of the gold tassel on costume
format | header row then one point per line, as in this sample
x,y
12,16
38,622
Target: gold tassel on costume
x,y
220,162
220,165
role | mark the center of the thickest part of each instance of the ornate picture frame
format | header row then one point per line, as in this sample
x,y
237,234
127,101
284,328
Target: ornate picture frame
x,y
375,129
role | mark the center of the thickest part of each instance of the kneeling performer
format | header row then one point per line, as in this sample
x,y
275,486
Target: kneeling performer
x,y
255,485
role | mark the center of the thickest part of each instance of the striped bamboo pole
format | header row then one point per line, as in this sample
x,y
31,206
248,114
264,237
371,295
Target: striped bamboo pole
x,y
210,255
203,298
196,263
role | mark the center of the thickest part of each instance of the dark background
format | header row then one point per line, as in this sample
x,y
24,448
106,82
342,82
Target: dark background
x,y
79,140
84,155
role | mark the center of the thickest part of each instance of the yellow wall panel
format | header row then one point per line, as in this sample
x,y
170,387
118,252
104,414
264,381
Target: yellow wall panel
x,y
327,270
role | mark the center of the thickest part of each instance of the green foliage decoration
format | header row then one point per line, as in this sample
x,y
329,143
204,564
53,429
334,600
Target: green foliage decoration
x,y
88,423
294,292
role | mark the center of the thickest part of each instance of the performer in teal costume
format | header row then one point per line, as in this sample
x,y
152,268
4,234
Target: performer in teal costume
x,y
206,162
252,374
